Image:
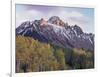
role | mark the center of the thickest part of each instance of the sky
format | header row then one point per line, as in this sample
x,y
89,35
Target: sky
x,y
83,17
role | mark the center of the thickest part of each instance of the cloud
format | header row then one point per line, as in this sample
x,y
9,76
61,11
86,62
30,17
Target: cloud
x,y
72,17
63,14
27,16
78,17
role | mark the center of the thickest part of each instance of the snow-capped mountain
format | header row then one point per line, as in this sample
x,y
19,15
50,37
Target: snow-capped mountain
x,y
57,32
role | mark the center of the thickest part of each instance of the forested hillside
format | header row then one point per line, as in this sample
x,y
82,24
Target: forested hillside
x,y
33,56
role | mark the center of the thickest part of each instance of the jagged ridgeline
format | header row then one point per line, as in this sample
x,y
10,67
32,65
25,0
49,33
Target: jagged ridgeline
x,y
52,45
57,32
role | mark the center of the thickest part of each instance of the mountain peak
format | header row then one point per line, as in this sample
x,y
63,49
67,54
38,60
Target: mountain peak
x,y
43,22
56,20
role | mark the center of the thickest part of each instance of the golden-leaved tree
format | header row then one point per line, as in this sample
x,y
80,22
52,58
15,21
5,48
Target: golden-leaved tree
x,y
31,55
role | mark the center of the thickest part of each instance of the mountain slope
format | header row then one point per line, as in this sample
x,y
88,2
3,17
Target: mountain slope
x,y
55,31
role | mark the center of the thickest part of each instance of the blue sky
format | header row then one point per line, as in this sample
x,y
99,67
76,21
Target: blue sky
x,y
83,17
